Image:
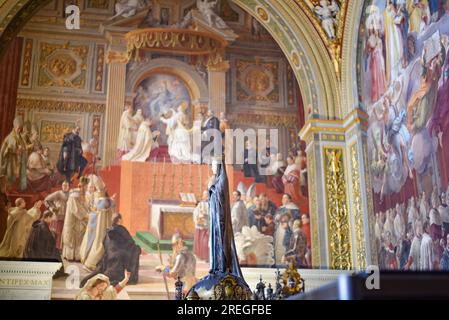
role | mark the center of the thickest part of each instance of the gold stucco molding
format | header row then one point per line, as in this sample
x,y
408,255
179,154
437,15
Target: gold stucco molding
x,y
58,105
269,120
337,212
356,198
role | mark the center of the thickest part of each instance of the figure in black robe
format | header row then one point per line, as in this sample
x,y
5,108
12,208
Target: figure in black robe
x,y
71,158
120,254
41,244
207,137
250,168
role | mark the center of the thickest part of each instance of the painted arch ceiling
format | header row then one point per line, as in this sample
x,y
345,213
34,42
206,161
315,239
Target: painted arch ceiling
x,y
15,13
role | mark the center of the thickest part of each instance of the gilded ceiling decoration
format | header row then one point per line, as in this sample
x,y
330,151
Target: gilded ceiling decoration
x,y
328,18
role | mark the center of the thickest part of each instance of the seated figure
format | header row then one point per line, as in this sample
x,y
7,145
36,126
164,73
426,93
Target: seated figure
x,y
40,177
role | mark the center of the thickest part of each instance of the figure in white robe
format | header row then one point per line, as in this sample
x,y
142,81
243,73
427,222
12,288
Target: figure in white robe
x,y
239,216
18,229
125,136
412,214
100,219
76,217
378,228
179,136
393,42
13,156
389,225
443,209
57,202
399,224
138,120
415,251
144,143
426,252
423,208
434,198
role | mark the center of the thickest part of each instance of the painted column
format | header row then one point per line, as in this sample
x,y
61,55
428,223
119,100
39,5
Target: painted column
x,y
328,195
340,206
115,101
217,87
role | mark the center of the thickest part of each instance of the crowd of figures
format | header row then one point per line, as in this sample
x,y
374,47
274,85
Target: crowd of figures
x,y
75,223
285,176
405,87
415,236
27,166
265,235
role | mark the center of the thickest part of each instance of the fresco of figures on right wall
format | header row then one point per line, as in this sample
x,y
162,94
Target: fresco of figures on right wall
x,y
403,68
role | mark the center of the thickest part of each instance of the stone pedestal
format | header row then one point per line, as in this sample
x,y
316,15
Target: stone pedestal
x,y
21,280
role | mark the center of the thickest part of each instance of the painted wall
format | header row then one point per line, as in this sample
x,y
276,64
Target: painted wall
x,y
403,86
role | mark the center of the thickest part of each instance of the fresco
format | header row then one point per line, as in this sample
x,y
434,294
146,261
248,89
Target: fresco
x,y
404,88
158,94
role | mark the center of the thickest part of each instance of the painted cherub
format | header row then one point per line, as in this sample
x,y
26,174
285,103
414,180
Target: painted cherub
x,y
327,13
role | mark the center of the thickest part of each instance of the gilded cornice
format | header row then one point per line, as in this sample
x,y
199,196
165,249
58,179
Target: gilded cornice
x,y
270,120
356,117
58,105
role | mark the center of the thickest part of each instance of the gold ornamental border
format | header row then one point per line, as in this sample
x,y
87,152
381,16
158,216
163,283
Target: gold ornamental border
x,y
357,206
58,105
182,41
337,208
270,120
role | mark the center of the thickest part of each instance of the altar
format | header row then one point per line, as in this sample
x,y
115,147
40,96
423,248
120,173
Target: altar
x,y
150,195
168,218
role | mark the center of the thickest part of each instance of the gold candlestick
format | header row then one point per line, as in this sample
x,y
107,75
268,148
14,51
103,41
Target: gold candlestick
x,y
200,185
181,178
164,175
190,178
153,188
172,194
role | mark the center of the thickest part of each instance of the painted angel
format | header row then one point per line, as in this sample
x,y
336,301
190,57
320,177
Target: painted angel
x,y
327,13
127,8
206,8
